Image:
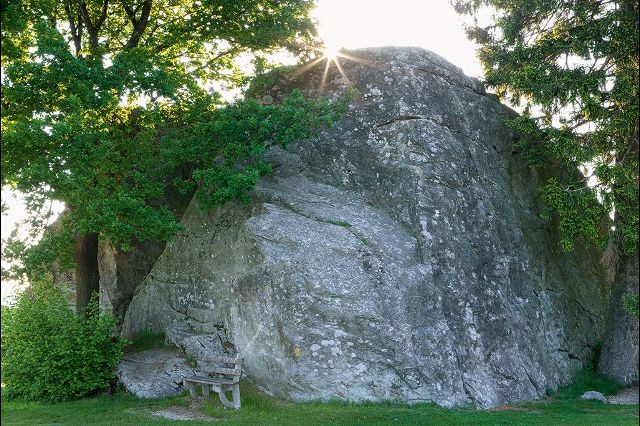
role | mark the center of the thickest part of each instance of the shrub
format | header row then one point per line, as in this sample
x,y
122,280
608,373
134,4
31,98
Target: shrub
x,y
50,353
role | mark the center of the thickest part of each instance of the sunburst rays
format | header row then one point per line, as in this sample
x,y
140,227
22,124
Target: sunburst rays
x,y
331,55
336,61
307,67
324,76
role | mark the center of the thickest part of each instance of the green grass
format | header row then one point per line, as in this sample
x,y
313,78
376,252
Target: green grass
x,y
588,380
260,409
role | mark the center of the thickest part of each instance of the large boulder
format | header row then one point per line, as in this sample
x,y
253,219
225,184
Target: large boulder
x,y
399,255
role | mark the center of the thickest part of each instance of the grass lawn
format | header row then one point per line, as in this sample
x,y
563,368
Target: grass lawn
x,y
260,409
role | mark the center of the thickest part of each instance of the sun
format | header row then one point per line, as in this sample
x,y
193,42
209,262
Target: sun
x,y
331,54
331,50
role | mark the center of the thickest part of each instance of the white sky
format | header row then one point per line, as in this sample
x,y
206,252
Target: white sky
x,y
431,24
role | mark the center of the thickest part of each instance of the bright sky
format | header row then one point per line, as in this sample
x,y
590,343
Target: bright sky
x,y
432,24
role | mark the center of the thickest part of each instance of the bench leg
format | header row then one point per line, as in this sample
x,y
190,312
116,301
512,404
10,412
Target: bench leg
x,y
205,391
223,397
235,391
191,386
236,396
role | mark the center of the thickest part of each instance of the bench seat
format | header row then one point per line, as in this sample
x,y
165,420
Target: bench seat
x,y
229,380
211,380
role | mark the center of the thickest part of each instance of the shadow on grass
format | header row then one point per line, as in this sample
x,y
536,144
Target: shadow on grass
x,y
145,340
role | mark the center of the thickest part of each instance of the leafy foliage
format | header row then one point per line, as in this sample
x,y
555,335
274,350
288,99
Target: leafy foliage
x,y
573,67
235,138
630,302
36,260
106,106
50,353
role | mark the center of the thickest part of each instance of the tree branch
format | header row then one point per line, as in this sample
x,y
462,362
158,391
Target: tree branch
x,y
130,12
76,30
103,14
139,24
94,28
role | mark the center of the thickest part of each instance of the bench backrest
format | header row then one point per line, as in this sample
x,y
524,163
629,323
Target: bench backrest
x,y
231,366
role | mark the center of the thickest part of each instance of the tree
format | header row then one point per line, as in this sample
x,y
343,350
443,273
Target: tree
x,y
572,65
108,103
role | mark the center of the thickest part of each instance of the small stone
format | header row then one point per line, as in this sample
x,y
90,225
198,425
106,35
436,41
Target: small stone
x,y
594,395
266,100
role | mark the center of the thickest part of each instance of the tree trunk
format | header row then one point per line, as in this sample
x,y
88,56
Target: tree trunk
x,y
619,357
87,276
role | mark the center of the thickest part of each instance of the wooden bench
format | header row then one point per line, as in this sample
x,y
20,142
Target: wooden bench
x,y
222,374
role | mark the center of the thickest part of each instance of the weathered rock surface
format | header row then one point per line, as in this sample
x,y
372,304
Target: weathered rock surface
x,y
399,255
155,373
121,272
619,358
191,341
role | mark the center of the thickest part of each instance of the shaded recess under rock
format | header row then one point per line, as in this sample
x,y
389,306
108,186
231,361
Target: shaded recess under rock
x,y
399,255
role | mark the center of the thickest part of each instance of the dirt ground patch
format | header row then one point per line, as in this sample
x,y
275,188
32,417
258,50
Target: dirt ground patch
x,y
181,413
625,396
176,412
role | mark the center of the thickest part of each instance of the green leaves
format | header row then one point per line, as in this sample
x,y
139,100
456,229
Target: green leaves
x,y
579,212
226,147
575,66
630,303
50,353
109,106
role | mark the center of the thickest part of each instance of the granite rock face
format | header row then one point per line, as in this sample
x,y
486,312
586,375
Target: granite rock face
x,y
619,358
399,255
185,336
120,272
